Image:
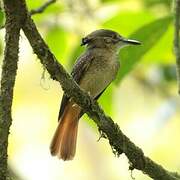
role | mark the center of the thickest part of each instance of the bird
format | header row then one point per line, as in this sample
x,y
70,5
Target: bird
x,y
93,71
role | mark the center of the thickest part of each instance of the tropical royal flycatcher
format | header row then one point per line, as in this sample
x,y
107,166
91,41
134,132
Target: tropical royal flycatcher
x,y
94,70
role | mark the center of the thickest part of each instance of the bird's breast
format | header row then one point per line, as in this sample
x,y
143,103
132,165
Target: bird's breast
x,y
99,75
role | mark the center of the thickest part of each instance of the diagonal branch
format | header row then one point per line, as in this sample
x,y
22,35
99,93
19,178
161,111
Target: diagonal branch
x,y
42,8
177,39
117,140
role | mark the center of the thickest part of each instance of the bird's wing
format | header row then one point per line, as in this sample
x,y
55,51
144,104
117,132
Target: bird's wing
x,y
97,97
77,73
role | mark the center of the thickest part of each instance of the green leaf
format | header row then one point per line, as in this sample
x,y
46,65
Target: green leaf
x,y
76,52
151,3
1,17
105,1
162,52
149,35
106,99
34,4
127,22
57,40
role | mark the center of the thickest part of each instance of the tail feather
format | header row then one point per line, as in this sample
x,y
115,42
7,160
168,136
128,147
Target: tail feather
x,y
63,143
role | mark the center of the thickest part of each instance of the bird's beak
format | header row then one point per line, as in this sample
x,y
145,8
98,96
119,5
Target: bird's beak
x,y
131,41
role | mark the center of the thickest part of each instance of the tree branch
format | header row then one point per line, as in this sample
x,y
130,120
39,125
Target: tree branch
x,y
14,20
177,39
42,8
117,140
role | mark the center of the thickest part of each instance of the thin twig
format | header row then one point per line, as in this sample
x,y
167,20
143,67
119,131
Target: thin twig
x,y
177,39
39,10
42,8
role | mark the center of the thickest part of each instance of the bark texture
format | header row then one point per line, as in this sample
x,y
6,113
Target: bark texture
x,y
14,20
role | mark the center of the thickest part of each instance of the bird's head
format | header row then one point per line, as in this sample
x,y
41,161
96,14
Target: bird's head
x,y
105,38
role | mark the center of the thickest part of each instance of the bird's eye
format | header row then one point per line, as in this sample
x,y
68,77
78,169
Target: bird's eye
x,y
85,41
117,36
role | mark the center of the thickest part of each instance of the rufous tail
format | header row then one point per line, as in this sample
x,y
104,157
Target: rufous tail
x,y
63,143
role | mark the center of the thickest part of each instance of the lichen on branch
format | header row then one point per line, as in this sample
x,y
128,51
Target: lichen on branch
x,y
177,39
14,19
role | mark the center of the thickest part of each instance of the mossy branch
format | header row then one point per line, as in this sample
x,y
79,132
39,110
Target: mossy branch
x,y
14,20
177,39
42,8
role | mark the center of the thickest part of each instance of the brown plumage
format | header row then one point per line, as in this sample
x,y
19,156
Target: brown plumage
x,y
93,71
63,143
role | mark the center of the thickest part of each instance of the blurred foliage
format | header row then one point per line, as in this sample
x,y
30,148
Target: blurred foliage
x,y
151,3
1,17
77,50
149,35
162,52
57,41
169,72
119,21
